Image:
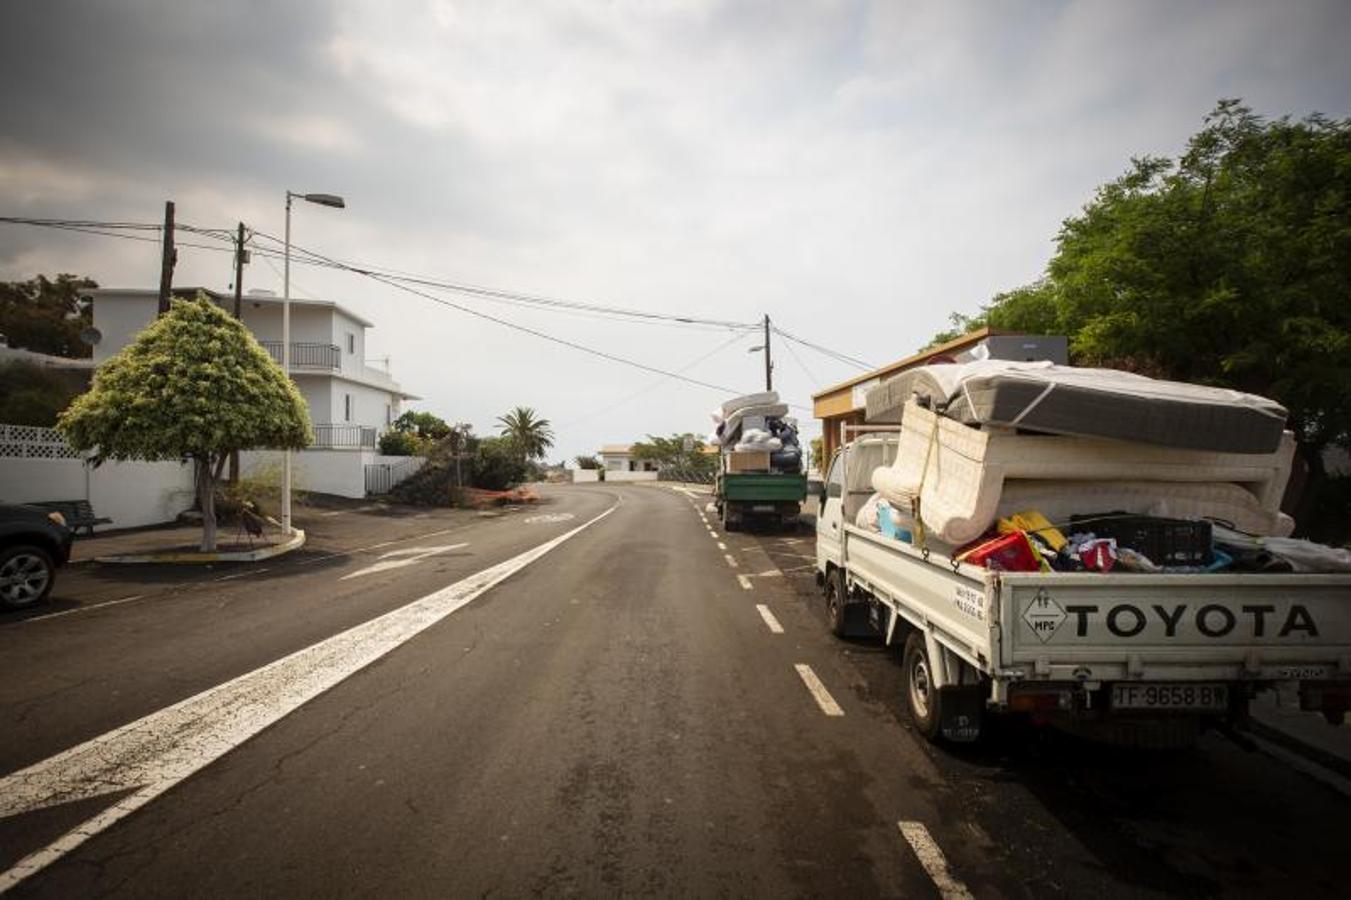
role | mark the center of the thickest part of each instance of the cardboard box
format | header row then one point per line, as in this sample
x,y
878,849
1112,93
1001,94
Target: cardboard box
x,y
746,461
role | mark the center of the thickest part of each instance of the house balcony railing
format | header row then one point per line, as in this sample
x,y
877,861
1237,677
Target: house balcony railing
x,y
307,355
343,437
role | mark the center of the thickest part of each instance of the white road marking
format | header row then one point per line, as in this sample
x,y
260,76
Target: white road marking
x,y
731,560
721,545
772,573
744,582
934,862
768,616
243,574
549,517
80,609
151,755
818,690
349,552
397,559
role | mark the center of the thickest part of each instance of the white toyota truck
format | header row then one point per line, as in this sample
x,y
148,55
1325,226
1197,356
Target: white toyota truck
x,y
1148,660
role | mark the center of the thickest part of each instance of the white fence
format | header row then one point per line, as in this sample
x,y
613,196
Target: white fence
x,y
37,465
382,476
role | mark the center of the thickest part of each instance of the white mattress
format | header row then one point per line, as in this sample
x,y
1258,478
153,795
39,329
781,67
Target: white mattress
x,y
961,488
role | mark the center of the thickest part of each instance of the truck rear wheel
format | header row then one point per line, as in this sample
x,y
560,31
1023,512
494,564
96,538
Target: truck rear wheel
x,y
922,699
835,592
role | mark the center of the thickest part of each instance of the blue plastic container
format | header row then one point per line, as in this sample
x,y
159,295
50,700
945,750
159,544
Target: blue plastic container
x,y
886,523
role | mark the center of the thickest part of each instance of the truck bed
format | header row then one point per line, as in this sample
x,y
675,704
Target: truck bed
x,y
1111,627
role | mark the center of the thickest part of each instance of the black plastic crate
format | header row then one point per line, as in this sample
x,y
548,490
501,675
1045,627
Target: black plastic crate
x,y
1167,542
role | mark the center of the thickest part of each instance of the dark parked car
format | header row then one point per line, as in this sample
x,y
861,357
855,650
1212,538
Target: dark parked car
x,y
34,543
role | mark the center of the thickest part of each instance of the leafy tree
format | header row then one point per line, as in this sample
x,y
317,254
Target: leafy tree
x,y
422,424
586,462
530,435
669,453
1230,266
195,385
33,394
46,316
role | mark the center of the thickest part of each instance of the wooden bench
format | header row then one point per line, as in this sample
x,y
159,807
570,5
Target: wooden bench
x,y
78,514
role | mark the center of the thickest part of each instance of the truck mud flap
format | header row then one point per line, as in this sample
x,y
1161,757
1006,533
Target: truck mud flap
x,y
960,714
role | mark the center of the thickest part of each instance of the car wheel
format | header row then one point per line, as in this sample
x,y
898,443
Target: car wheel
x,y
835,597
27,574
921,697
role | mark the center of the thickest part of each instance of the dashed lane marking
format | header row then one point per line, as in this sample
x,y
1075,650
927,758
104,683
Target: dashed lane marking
x,y
151,755
744,581
771,573
80,609
721,545
934,862
731,560
768,616
818,690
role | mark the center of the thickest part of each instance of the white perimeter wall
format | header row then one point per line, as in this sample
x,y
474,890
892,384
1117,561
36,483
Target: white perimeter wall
x,y
581,475
339,472
131,493
630,476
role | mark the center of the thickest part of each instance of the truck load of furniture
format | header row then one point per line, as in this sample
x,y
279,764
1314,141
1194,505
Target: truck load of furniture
x,y
760,461
1095,550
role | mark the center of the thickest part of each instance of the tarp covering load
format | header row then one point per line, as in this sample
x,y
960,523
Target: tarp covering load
x,y
758,429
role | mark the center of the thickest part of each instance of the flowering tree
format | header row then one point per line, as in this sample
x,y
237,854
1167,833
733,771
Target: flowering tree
x,y
194,385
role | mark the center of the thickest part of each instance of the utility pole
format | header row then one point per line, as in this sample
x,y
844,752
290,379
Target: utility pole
x,y
239,296
167,259
769,365
239,271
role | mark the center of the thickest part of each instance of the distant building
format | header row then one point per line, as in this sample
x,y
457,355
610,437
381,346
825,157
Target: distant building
x,y
619,465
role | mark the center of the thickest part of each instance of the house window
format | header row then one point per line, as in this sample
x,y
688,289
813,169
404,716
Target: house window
x,y
347,407
351,342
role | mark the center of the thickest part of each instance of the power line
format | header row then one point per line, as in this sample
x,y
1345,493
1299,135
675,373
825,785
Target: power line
x,y
833,354
603,354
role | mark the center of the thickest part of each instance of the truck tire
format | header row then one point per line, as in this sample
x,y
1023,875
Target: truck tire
x,y
922,700
836,595
729,522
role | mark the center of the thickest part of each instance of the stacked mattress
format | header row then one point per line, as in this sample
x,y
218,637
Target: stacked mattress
x,y
1101,403
1221,460
758,422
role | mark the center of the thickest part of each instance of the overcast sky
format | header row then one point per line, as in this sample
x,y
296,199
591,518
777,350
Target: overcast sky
x,y
857,171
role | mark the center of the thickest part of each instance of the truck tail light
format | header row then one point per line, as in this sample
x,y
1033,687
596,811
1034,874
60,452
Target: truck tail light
x,y
1043,700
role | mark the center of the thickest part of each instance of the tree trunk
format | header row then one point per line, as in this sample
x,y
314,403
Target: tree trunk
x,y
206,496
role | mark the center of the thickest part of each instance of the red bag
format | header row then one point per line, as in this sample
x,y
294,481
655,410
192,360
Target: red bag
x,y
1010,552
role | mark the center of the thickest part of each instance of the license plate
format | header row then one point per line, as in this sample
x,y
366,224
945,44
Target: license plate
x,y
1171,696
763,507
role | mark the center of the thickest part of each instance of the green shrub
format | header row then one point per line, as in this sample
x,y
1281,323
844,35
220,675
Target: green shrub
x,y
400,443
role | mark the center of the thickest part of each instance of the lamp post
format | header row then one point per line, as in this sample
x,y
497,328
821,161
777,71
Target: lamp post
x,y
336,202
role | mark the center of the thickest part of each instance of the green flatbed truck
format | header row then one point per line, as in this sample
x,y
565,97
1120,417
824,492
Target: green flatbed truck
x,y
766,496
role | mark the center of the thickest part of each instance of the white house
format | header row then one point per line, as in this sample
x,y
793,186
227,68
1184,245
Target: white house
x,y
350,403
619,465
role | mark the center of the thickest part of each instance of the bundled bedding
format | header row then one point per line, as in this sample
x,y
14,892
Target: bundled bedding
x,y
758,423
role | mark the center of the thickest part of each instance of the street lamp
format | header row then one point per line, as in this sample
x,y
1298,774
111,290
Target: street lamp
x,y
336,202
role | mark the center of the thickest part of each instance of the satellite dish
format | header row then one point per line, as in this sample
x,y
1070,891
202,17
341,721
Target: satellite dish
x,y
91,335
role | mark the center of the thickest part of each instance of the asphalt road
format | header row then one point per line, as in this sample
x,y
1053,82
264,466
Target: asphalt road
x,y
650,707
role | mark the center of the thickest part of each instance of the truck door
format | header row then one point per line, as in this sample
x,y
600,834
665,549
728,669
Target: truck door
x,y
830,518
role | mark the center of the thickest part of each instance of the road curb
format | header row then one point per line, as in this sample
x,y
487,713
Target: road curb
x,y
189,557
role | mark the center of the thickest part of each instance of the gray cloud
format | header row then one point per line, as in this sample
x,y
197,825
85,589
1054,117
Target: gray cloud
x,y
857,170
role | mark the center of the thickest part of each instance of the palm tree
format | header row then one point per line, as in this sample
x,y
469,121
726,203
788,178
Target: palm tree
x,y
532,436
